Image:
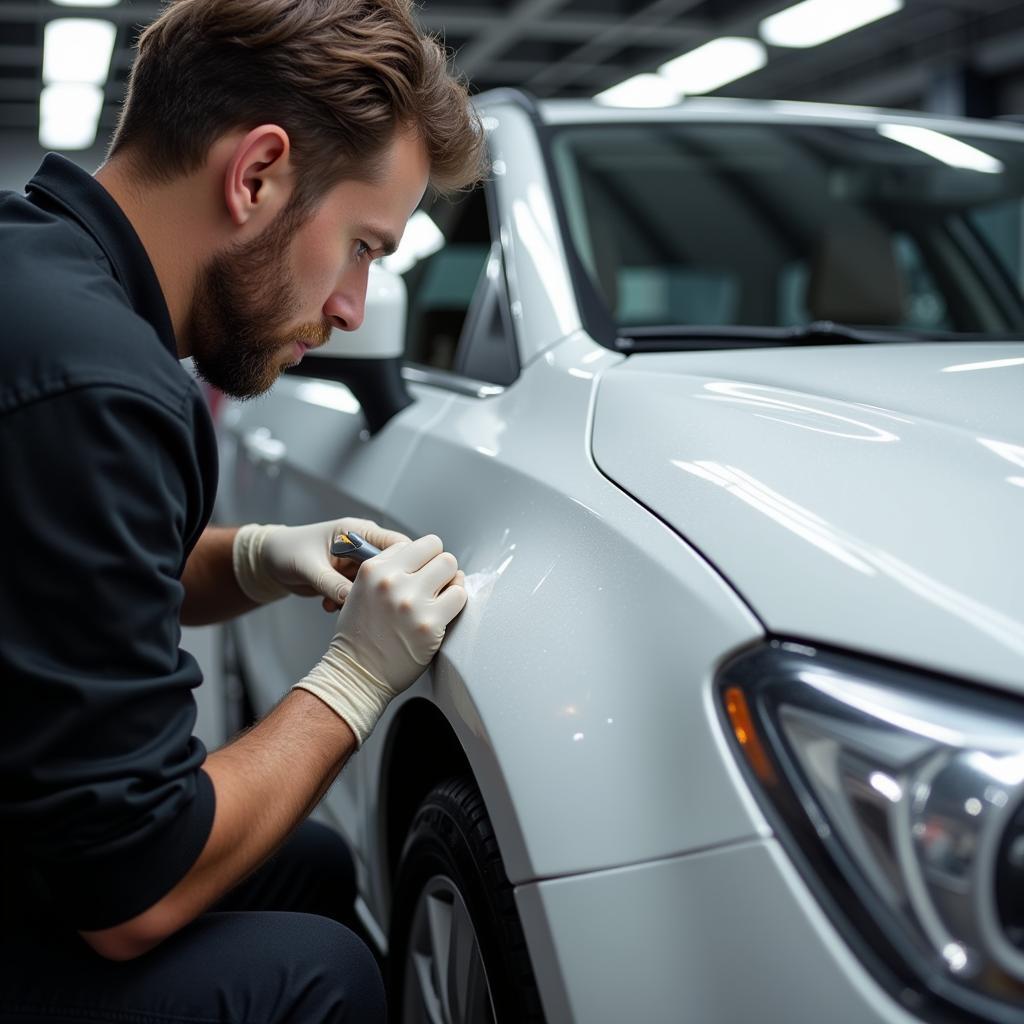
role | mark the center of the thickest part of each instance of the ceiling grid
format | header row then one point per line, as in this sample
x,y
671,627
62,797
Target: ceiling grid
x,y
580,47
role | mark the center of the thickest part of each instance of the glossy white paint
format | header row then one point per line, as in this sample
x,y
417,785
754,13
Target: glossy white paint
x,y
579,111
578,676
862,496
727,935
569,719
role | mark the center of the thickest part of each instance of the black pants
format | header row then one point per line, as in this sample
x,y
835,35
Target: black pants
x,y
262,956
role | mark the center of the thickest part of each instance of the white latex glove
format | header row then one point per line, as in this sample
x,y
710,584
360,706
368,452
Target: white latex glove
x,y
391,626
272,561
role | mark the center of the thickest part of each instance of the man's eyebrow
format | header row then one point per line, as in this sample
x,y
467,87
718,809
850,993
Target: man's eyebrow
x,y
388,243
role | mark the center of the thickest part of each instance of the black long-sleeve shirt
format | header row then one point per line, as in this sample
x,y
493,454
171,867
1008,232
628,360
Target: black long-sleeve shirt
x,y
109,472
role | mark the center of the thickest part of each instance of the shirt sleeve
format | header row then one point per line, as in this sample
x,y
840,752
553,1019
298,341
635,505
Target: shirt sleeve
x,y
101,788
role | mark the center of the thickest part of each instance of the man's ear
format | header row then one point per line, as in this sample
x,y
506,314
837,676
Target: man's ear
x,y
259,176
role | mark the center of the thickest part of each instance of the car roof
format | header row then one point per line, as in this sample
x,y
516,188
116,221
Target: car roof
x,y
584,111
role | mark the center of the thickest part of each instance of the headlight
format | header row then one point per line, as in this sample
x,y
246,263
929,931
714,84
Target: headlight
x,y
901,798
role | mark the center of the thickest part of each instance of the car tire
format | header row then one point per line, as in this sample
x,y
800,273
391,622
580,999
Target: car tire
x,y
457,952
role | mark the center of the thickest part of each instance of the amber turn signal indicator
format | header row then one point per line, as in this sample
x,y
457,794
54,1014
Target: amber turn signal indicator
x,y
746,734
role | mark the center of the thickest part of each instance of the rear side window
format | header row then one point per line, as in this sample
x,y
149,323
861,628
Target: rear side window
x,y
441,285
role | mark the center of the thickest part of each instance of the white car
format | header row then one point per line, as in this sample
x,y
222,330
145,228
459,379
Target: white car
x,y
720,408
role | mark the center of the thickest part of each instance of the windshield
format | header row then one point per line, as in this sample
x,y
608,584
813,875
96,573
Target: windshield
x,y
781,225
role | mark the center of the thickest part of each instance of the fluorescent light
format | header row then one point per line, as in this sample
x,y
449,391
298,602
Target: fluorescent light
x,y
421,238
640,91
942,147
69,114
714,64
87,3
817,21
78,50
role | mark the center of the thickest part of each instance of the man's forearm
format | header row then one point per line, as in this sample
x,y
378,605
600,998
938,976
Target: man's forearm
x,y
212,593
266,782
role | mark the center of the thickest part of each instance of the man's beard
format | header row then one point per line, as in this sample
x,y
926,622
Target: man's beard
x,y
241,305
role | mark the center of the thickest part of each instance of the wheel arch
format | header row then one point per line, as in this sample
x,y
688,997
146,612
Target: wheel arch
x,y
423,737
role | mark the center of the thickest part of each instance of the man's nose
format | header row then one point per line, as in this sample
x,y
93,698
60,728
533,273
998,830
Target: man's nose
x,y
347,304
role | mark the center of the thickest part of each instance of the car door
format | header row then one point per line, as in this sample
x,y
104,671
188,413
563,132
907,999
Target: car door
x,y
303,454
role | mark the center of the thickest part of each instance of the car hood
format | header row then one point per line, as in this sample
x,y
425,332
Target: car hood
x,y
869,497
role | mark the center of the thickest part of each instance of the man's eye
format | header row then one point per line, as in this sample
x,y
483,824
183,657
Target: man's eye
x,y
363,250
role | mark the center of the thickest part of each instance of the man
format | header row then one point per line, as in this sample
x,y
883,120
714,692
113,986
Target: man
x,y
268,151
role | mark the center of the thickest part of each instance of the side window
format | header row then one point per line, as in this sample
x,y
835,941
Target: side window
x,y
441,285
487,351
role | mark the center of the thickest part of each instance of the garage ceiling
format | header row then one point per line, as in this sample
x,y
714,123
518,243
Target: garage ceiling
x,y
579,47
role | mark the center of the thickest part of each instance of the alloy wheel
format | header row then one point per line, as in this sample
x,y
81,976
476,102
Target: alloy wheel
x,y
445,978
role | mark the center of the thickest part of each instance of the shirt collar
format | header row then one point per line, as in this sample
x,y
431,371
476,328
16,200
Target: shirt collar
x,y
92,206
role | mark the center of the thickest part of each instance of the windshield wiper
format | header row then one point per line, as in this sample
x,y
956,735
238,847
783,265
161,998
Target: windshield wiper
x,y
820,332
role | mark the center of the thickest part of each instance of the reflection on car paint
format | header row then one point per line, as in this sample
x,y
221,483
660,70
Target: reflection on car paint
x,y
530,218
991,364
1011,452
774,399
330,396
855,553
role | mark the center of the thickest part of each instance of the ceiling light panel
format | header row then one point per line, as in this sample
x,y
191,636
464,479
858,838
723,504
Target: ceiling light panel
x,y
69,114
640,91
78,50
715,64
817,21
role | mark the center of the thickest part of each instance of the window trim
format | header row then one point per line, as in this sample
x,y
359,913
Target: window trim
x,y
489,296
449,381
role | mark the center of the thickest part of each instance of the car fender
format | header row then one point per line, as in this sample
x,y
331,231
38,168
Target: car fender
x,y
578,679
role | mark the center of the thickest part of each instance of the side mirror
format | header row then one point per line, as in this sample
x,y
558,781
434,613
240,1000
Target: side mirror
x,y
369,360
382,332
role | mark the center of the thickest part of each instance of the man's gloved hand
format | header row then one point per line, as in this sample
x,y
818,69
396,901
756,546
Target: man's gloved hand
x,y
391,626
272,561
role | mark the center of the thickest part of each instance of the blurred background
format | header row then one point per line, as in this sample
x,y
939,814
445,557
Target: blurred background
x,y
64,65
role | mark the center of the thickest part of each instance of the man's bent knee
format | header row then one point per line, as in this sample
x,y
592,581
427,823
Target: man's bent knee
x,y
339,977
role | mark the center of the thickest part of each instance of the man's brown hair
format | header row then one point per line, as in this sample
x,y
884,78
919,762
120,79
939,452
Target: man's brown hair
x,y
340,76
